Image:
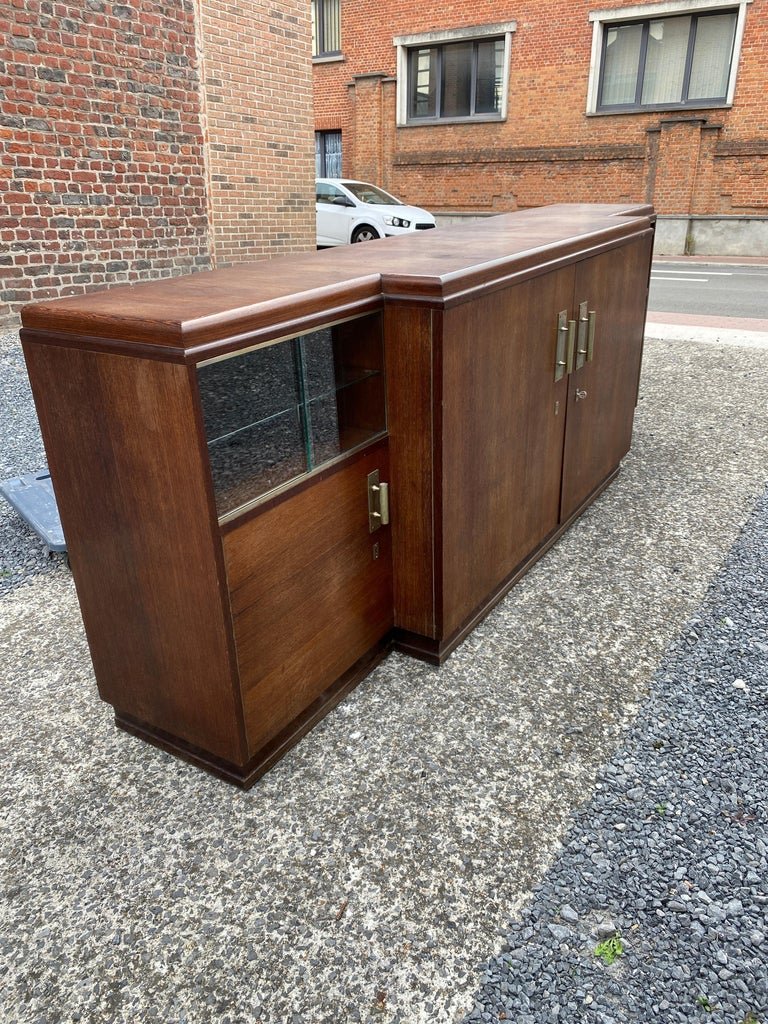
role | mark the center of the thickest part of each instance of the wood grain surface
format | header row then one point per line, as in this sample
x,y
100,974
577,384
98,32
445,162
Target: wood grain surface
x,y
599,434
311,593
123,450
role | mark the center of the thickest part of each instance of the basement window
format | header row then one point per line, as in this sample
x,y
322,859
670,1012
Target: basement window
x,y
327,154
678,56
460,75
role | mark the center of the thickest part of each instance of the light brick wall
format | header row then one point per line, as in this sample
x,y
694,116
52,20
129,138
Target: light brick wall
x,y
257,90
548,150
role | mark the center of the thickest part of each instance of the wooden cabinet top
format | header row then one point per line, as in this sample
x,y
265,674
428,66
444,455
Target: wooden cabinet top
x,y
200,315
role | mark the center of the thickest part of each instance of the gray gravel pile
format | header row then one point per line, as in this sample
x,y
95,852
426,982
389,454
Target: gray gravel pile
x,y
21,452
671,853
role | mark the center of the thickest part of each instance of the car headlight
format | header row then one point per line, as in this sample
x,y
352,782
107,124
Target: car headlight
x,y
397,222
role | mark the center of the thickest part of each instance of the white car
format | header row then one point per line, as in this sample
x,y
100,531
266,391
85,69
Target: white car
x,y
354,211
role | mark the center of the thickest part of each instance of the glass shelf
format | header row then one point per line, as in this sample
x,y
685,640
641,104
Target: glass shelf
x,y
276,413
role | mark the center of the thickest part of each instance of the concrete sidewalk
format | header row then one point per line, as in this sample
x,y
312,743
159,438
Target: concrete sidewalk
x,y
370,872
743,332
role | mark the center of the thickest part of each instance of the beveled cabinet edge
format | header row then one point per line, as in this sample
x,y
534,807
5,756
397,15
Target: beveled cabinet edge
x,y
207,351
437,294
245,775
346,283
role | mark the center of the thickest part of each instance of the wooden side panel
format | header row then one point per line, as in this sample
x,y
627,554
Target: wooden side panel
x,y
503,428
311,593
123,447
602,394
411,408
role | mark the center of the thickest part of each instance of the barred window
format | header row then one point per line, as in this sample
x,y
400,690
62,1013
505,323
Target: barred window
x,y
327,154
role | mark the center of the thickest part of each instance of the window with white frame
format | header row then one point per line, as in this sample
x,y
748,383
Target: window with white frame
x,y
665,56
326,27
454,76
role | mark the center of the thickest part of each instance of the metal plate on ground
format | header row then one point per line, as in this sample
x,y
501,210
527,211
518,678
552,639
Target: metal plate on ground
x,y
33,498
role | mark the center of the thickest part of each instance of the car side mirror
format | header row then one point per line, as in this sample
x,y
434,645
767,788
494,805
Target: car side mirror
x,y
342,201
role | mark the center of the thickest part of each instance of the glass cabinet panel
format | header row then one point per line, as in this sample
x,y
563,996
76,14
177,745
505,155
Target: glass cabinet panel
x,y
276,413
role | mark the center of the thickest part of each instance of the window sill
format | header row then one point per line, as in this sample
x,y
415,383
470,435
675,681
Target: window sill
x,y
428,122
669,109
331,58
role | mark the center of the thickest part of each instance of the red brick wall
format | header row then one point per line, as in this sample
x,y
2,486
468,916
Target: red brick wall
x,y
117,163
257,88
101,162
548,150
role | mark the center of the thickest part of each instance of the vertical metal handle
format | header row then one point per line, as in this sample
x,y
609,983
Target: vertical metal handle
x,y
384,503
571,346
378,502
566,349
582,346
561,344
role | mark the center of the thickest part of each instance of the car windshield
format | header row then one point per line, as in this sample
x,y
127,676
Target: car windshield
x,y
370,194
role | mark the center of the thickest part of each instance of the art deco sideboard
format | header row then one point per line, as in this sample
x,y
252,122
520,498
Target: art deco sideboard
x,y
269,474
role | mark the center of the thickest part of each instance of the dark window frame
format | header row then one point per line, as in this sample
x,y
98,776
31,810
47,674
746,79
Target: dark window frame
x,y
322,152
683,102
320,45
438,116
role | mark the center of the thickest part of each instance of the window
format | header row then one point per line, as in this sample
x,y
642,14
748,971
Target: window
x,y
456,80
678,60
327,154
454,76
326,28
325,193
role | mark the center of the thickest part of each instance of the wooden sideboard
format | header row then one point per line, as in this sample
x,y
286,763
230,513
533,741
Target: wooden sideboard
x,y
270,474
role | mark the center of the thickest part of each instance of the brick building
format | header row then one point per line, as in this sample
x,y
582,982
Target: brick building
x,y
145,138
488,106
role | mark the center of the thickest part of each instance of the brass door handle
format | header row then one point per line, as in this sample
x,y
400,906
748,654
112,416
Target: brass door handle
x,y
561,363
566,349
581,348
571,345
378,502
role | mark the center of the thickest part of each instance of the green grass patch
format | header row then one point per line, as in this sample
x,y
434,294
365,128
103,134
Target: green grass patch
x,y
609,949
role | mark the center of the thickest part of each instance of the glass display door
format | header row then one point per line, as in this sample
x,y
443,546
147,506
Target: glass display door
x,y
299,459
279,412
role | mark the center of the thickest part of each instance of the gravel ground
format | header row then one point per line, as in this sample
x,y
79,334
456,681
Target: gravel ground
x,y
671,852
366,877
21,452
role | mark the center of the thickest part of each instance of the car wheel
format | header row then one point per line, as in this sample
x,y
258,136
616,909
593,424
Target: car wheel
x,y
364,233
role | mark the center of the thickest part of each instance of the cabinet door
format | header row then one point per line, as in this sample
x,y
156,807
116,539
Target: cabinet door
x,y
503,420
292,430
602,393
311,593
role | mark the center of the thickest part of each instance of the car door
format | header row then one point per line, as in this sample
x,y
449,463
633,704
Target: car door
x,y
333,219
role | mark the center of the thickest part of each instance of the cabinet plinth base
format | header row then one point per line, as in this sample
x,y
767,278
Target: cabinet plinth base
x,y
245,775
436,652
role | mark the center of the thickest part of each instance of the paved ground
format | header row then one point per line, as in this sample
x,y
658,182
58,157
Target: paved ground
x,y
372,874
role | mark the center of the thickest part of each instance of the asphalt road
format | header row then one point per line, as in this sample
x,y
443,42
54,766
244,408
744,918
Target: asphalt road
x,y
711,289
